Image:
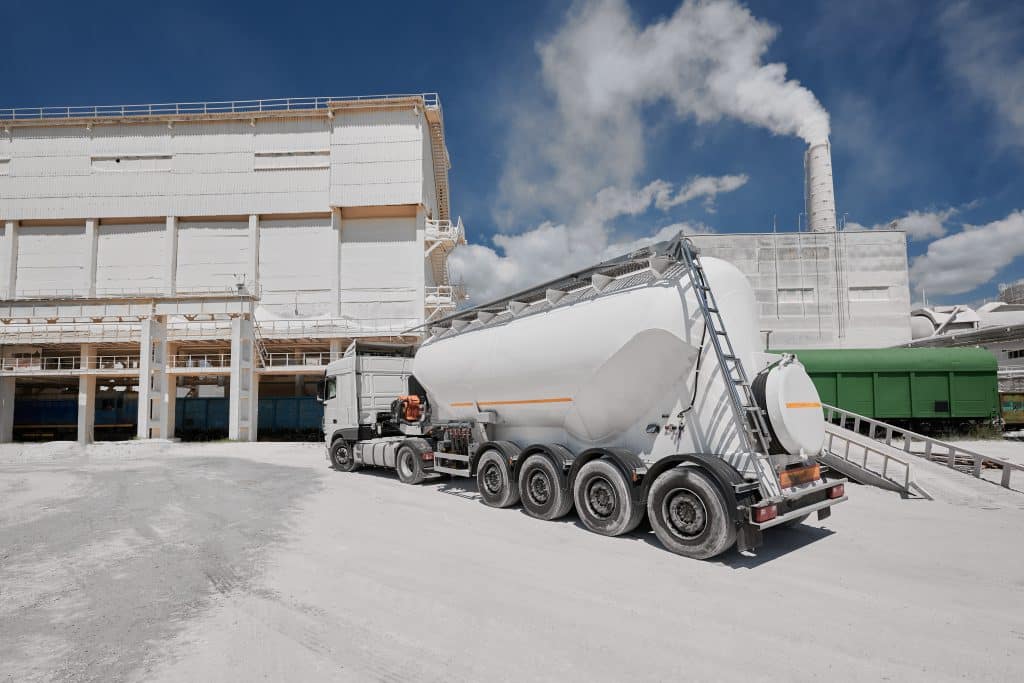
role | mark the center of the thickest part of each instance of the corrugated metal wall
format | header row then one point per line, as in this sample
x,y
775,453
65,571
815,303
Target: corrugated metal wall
x,y
52,258
130,257
297,262
212,254
381,259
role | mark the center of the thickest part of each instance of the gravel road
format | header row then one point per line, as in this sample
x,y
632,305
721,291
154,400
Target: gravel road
x,y
225,561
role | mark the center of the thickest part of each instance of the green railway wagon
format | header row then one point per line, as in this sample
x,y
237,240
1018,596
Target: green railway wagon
x,y
922,389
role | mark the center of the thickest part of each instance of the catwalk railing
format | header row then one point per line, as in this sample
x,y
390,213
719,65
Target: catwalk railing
x,y
430,100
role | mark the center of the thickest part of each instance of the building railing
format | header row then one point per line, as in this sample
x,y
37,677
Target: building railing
x,y
1011,371
441,294
200,361
132,292
437,230
430,100
276,359
66,363
942,452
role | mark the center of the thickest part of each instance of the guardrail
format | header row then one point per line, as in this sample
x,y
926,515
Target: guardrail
x,y
30,364
868,458
445,230
942,452
200,361
281,359
430,100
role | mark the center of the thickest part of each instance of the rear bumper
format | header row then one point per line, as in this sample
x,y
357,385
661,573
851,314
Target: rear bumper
x,y
802,501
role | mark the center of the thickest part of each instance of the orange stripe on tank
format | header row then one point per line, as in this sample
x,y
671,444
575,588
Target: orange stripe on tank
x,y
528,401
803,404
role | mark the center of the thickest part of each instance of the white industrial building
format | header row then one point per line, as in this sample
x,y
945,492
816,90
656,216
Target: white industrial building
x,y
823,289
228,248
996,325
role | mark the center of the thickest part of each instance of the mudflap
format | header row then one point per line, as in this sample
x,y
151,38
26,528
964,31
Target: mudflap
x,y
824,513
748,537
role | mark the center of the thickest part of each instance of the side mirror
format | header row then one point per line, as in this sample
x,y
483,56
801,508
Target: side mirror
x,y
320,389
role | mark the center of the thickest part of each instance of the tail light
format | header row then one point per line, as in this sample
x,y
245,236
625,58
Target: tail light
x,y
429,455
837,491
765,513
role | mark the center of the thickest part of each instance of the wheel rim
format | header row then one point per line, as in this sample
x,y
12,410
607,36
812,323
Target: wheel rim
x,y
492,479
602,502
539,487
684,513
342,457
405,464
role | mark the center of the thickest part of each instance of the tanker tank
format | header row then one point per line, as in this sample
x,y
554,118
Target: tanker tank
x,y
625,362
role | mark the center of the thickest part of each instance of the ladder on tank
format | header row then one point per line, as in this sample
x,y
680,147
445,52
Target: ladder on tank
x,y
753,431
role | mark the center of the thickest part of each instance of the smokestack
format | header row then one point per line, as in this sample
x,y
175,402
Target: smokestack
x,y
819,191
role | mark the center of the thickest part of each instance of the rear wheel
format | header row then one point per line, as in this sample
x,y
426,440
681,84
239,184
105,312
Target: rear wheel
x,y
494,480
342,458
604,499
409,465
689,514
542,488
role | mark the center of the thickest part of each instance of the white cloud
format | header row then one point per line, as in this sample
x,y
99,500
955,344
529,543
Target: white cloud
x,y
545,252
702,186
967,259
577,149
601,71
983,49
918,225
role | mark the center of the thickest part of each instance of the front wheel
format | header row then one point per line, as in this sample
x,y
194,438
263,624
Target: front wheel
x,y
604,499
689,515
342,458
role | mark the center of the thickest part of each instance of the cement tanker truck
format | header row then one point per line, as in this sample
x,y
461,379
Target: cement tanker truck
x,y
635,387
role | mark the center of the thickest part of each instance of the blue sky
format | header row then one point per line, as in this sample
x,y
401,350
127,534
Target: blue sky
x,y
926,102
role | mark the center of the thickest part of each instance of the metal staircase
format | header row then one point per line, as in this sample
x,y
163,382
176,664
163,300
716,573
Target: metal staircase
x,y
753,430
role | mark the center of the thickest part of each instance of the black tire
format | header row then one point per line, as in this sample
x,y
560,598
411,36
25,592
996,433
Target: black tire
x,y
495,481
542,489
796,521
689,514
342,458
409,464
604,499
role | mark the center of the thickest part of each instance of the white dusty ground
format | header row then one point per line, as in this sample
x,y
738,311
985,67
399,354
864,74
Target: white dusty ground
x,y
257,562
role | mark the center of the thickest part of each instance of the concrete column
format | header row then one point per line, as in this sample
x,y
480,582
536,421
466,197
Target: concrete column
x,y
86,396
421,274
336,285
253,271
153,379
336,348
11,237
168,397
243,389
7,409
171,255
92,238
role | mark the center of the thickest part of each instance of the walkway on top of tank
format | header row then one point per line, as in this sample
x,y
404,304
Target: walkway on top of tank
x,y
660,260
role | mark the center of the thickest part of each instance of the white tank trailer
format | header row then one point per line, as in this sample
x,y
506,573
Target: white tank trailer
x,y
635,386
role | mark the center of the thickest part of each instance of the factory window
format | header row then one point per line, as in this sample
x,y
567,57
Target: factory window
x,y
5,166
1016,353
871,293
796,295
